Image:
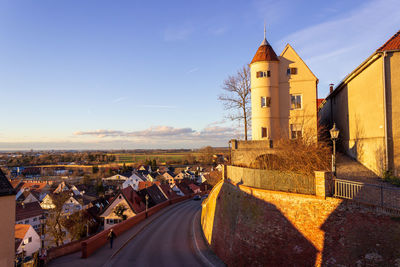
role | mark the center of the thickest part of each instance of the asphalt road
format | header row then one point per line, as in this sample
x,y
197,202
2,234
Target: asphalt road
x,y
167,241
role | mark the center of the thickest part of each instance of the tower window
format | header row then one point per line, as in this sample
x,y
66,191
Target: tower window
x,y
295,131
264,132
265,102
261,74
295,101
291,71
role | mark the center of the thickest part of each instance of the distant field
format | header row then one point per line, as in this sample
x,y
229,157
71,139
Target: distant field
x,y
131,157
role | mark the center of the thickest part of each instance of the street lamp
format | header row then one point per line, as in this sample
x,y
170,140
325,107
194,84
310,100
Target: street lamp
x,y
334,136
42,256
147,202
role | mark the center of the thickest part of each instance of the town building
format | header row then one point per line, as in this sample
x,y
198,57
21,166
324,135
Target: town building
x,y
29,213
283,95
7,221
129,199
365,106
27,240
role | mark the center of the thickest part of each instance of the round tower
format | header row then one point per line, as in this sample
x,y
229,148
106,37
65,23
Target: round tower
x,y
264,69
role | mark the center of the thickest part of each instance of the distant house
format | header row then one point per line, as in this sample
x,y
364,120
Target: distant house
x,y
7,221
29,213
47,202
117,177
28,197
27,239
169,177
40,188
61,188
129,199
133,181
194,188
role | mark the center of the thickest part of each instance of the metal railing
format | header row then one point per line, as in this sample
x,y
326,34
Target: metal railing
x,y
379,195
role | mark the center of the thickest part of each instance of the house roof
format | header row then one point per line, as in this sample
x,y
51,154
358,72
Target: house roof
x,y
392,44
38,186
134,200
168,191
193,187
20,230
6,188
265,53
319,101
155,195
14,183
143,185
184,187
27,210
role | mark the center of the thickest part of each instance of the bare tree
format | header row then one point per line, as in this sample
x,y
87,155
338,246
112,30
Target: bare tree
x,y
237,97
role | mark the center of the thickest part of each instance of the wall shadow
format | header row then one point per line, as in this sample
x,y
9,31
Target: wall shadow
x,y
359,234
250,232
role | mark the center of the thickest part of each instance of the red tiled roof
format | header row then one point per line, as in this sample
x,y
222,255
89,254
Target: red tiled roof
x,y
27,210
319,101
171,194
392,44
15,182
20,230
265,53
134,199
143,185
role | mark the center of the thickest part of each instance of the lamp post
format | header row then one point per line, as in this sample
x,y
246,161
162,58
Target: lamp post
x,y
42,256
147,202
334,136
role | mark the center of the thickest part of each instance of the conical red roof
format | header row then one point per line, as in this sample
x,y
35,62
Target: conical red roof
x,y
265,53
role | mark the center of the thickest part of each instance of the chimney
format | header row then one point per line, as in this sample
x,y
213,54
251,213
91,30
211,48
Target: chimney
x,y
330,88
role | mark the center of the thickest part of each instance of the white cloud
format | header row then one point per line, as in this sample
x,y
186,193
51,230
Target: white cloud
x,y
167,134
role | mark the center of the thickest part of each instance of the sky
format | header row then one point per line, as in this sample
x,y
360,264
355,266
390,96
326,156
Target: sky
x,y
122,74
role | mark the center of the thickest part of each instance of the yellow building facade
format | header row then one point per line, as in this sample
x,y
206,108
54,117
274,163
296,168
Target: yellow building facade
x,y
283,95
365,108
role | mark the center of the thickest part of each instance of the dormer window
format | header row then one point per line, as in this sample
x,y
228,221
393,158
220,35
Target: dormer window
x,y
261,74
292,71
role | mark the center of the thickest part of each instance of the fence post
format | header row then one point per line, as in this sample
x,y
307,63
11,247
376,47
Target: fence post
x,y
323,184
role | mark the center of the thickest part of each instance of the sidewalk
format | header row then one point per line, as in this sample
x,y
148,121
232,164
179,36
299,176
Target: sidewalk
x,y
101,256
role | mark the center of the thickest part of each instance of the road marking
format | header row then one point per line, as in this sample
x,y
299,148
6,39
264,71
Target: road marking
x,y
204,258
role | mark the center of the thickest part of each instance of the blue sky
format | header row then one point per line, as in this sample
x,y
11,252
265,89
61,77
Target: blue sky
x,y
146,74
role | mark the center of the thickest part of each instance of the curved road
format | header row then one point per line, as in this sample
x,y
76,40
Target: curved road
x,y
166,241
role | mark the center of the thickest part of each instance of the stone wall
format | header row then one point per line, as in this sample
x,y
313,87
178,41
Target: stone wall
x,y
245,153
253,227
272,180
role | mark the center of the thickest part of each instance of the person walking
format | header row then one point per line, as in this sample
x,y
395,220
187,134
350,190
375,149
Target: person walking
x,y
111,236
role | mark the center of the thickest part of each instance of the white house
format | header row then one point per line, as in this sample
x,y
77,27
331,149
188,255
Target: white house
x,y
133,181
27,239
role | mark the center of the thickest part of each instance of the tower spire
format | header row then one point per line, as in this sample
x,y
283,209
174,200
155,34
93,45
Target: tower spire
x,y
265,42
265,32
